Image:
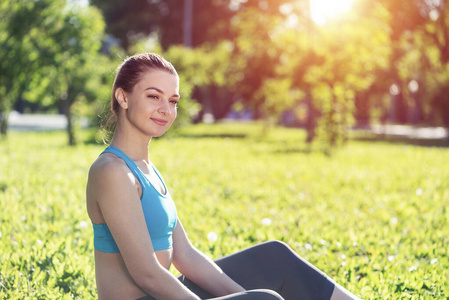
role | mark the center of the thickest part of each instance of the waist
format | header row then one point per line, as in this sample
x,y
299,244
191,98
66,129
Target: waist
x,y
115,261
111,272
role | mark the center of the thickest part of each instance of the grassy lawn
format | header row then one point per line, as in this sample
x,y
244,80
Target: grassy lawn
x,y
374,216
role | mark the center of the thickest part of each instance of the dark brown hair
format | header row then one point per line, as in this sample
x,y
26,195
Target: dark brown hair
x,y
127,76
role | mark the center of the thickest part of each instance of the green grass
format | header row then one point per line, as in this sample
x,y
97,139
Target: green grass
x,y
373,216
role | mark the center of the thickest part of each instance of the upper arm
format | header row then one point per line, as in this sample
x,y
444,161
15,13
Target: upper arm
x,y
112,186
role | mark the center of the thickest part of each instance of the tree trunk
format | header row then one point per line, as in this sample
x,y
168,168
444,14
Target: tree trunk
x,y
3,123
311,119
362,109
221,102
444,49
66,109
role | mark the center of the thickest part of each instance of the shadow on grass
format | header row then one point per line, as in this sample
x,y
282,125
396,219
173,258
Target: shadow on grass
x,y
295,150
402,140
94,138
370,138
213,135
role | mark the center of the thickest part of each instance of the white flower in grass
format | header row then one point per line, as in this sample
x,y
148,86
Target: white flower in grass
x,y
266,222
419,192
412,269
83,224
39,242
212,236
308,246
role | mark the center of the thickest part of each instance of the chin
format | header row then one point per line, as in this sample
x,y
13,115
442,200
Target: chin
x,y
156,135
157,132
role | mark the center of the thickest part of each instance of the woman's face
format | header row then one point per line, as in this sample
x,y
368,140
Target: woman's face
x,y
151,106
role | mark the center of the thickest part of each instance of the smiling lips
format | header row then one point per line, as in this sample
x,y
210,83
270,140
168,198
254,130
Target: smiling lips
x,y
160,122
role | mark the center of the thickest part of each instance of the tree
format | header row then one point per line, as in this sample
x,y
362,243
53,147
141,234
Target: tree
x,y
125,20
429,63
282,59
50,54
79,66
17,52
255,58
220,19
406,19
419,39
130,20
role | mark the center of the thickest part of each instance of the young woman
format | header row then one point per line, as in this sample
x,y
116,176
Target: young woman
x,y
137,234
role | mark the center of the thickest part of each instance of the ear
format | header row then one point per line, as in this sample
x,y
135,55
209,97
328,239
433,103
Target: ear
x,y
122,100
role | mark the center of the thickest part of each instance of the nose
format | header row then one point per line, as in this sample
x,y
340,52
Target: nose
x,y
164,108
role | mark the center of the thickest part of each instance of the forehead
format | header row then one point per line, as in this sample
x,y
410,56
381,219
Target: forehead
x,y
163,80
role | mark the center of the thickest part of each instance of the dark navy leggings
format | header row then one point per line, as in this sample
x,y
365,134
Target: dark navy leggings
x,y
271,270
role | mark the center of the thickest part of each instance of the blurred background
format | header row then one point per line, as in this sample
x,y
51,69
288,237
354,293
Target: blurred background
x,y
323,65
278,79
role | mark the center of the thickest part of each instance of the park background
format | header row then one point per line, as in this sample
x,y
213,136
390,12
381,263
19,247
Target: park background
x,y
282,133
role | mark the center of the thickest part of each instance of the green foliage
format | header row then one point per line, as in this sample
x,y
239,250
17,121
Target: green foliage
x,y
143,18
268,56
374,217
198,68
331,71
255,60
50,55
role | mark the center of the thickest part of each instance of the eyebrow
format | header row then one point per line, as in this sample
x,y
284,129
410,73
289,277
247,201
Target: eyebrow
x,y
161,91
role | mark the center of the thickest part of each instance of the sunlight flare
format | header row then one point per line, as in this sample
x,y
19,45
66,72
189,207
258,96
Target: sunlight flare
x,y
323,10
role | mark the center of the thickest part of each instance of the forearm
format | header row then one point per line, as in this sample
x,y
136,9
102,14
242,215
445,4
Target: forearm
x,y
208,275
164,285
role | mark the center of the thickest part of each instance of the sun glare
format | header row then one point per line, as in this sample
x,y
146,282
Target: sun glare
x,y
323,10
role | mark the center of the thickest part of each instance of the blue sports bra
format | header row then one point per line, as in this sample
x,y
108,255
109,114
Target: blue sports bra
x,y
159,211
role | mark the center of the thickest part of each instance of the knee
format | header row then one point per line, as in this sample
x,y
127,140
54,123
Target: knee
x,y
263,294
277,247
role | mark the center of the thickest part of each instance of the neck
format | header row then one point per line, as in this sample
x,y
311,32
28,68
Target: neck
x,y
134,145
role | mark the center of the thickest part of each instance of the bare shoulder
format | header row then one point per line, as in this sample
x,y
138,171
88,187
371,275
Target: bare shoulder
x,y
108,166
109,172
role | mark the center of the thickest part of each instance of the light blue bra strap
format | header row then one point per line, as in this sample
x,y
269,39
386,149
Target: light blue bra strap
x,y
129,162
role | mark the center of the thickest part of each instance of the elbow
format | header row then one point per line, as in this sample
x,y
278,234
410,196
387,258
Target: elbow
x,y
147,281
185,261
144,282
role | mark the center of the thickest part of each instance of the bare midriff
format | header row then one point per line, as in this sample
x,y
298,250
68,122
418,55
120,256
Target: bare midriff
x,y
113,278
